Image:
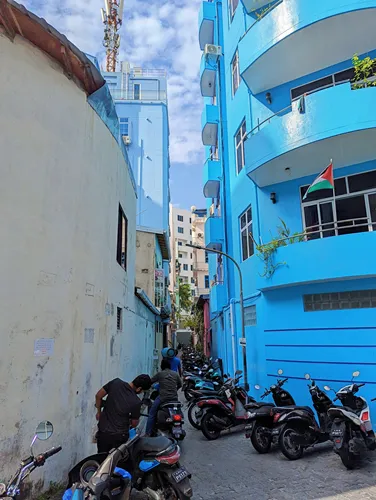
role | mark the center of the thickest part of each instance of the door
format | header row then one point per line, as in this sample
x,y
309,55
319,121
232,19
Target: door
x,y
136,91
327,219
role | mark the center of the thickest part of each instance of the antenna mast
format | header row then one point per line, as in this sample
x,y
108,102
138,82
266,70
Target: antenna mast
x,y
112,17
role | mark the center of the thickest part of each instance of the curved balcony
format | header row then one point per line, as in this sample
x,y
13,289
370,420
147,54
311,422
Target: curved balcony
x,y
338,123
214,233
298,38
209,125
212,174
341,261
208,75
206,24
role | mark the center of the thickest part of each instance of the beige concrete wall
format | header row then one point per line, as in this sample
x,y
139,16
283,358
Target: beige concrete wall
x,y
145,263
62,178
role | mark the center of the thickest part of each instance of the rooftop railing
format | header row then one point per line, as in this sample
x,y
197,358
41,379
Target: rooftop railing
x,y
142,72
144,95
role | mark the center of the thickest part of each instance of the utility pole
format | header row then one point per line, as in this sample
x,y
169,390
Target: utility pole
x,y
244,347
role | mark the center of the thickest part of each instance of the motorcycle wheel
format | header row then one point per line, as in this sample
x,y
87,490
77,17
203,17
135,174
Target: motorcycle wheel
x,y
261,441
348,458
207,428
192,417
187,395
292,452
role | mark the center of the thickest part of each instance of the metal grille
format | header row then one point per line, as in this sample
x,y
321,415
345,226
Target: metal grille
x,y
119,318
250,316
359,299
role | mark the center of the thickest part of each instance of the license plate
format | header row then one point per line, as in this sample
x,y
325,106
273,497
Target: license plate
x,y
177,431
275,432
180,474
337,432
249,427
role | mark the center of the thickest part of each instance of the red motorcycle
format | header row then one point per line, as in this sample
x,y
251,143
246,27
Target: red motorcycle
x,y
222,413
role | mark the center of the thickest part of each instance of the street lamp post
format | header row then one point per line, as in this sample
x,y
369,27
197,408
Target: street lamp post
x,y
244,348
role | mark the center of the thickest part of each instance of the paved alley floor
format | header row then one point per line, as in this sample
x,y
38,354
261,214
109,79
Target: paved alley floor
x,y
230,469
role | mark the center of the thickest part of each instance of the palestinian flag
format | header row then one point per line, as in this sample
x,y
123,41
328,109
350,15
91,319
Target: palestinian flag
x,y
324,181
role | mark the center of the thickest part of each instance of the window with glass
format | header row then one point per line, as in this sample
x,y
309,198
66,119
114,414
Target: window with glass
x,y
137,91
206,281
247,244
185,267
323,83
122,239
180,218
124,126
180,230
180,243
235,73
233,5
351,208
240,138
206,257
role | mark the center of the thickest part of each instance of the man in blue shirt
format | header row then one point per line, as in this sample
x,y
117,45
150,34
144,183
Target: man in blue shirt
x,y
175,364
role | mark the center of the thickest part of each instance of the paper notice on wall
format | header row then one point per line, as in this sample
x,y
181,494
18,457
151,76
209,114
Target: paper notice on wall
x,y
44,347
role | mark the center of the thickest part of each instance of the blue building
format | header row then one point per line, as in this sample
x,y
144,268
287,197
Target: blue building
x,y
140,97
279,105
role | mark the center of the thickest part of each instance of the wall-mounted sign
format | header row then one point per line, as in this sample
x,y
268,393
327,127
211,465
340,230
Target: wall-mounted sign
x,y
243,341
44,347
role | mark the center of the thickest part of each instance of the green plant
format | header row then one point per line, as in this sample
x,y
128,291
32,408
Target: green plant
x,y
54,492
196,323
266,252
185,297
364,69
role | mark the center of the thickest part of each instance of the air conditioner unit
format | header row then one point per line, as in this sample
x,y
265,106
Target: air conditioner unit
x,y
213,50
127,140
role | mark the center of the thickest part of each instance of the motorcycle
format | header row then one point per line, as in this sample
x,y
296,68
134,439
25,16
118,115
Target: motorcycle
x,y
222,414
152,462
12,489
170,417
351,430
300,429
260,427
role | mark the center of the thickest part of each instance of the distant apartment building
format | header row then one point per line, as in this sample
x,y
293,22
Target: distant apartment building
x,y
189,265
141,103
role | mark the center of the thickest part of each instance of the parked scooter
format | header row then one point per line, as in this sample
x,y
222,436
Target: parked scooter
x,y
223,414
300,429
261,425
351,432
152,462
170,417
13,488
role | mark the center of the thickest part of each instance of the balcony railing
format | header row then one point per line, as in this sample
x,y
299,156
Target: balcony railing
x,y
144,95
142,72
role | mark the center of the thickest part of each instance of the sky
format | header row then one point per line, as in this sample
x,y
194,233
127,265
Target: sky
x,y
154,34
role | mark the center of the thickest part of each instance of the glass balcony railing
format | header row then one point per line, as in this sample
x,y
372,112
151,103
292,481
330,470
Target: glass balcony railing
x,y
143,95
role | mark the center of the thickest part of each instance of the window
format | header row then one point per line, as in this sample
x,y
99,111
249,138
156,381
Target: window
x,y
233,4
193,293
180,243
124,126
191,267
350,209
206,257
122,239
246,234
119,319
180,230
360,299
328,81
180,218
137,91
190,232
235,73
180,255
190,220
250,318
191,256
206,281
193,281
185,267
240,138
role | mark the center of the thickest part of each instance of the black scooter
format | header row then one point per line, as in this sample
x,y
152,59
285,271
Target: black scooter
x,y
351,432
299,427
260,427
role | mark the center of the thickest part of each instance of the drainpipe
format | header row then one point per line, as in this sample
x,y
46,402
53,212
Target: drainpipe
x,y
233,334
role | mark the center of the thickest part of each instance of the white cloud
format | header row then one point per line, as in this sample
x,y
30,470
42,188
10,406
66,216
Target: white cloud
x,y
153,35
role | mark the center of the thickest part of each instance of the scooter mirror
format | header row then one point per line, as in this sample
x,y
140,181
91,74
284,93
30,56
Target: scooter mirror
x,y
44,430
356,374
327,388
257,387
307,376
280,371
225,375
238,372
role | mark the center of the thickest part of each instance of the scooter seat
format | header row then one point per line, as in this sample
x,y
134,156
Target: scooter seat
x,y
171,404
292,408
258,404
152,444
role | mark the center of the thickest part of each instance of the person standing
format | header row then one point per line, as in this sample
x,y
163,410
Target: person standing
x,y
176,364
169,384
122,409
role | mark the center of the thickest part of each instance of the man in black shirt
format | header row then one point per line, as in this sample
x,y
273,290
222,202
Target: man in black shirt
x,y
122,409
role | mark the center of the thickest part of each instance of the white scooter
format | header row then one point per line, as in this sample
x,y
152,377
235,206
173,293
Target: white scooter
x,y
351,431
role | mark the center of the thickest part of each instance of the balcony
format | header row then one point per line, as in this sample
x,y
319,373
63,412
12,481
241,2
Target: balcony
x,y
338,123
306,37
212,175
144,96
214,232
206,24
342,261
208,75
209,125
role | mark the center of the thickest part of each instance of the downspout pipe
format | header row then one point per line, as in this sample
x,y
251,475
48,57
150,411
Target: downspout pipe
x,y
233,334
